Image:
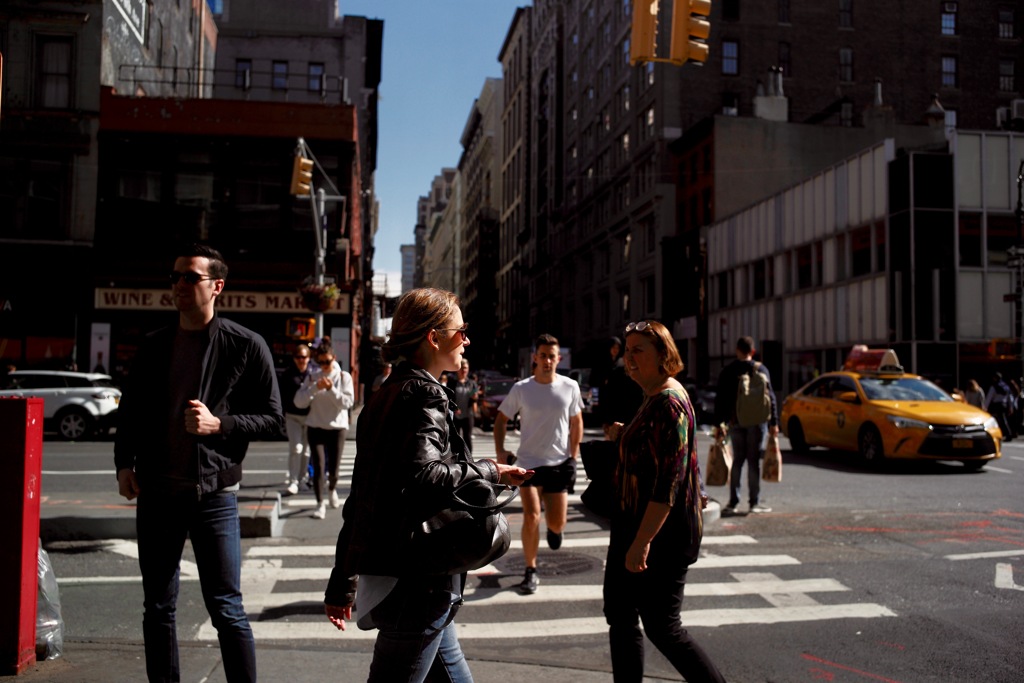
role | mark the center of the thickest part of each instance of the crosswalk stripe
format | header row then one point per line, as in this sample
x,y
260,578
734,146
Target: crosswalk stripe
x,y
595,541
263,569
489,597
548,628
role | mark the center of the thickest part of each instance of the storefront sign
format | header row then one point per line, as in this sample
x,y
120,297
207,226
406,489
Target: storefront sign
x,y
110,298
134,12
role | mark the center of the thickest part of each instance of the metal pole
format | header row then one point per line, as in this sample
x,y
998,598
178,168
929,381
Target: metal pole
x,y
316,204
1019,321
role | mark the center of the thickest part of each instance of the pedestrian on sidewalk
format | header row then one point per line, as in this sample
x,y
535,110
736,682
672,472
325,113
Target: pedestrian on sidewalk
x,y
551,410
328,392
466,392
749,438
409,459
197,393
295,418
657,519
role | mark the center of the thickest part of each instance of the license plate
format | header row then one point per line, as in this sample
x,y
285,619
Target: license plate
x,y
963,443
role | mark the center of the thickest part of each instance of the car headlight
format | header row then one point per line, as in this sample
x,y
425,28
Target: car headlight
x,y
907,423
991,423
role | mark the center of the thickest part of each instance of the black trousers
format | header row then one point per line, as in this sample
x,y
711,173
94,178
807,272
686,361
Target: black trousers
x,y
656,597
464,426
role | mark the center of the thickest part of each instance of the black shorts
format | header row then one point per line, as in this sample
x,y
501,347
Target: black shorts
x,y
554,478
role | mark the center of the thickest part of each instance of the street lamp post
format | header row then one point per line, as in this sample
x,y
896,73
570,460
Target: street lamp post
x,y
1019,322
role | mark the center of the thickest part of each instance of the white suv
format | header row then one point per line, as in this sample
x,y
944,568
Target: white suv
x,y
77,405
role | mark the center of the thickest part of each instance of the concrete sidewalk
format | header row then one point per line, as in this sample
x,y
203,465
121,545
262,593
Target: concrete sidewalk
x,y
115,662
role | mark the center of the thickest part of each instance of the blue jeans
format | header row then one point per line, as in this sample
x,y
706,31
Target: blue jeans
x,y
163,522
417,640
747,447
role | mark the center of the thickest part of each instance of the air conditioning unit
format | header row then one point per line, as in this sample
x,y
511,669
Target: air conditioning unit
x,y
1002,117
1017,109
949,7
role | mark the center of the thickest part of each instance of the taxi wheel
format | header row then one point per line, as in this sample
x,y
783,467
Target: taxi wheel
x,y
797,442
974,465
870,441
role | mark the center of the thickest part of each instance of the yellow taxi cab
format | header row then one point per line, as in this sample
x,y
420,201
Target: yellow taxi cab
x,y
873,407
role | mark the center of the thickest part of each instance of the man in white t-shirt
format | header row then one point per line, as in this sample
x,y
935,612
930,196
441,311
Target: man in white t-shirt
x,y
551,418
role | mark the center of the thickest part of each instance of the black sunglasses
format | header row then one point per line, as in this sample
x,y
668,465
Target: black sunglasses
x,y
190,277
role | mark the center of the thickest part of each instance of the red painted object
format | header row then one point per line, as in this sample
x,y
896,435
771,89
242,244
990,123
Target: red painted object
x,y
21,456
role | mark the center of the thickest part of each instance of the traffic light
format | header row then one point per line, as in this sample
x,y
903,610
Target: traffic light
x,y
303,329
643,41
687,36
302,176
689,31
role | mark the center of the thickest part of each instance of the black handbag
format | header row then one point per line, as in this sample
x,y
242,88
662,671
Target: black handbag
x,y
470,533
599,458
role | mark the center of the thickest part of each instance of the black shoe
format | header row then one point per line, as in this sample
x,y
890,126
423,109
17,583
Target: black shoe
x,y
530,581
554,540
729,511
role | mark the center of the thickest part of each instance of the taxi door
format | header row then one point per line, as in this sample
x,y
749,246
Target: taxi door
x,y
814,412
846,415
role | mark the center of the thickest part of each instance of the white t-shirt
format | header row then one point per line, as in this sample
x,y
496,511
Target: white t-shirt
x,y
544,411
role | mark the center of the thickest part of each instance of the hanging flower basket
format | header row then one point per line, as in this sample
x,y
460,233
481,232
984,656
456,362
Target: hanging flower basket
x,y
319,298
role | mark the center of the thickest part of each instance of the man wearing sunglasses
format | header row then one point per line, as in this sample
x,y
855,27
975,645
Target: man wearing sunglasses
x,y
197,393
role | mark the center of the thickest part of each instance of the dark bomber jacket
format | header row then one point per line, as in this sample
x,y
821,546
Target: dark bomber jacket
x,y
409,458
238,385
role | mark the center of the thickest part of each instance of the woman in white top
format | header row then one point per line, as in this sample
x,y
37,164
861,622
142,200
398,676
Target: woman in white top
x,y
329,393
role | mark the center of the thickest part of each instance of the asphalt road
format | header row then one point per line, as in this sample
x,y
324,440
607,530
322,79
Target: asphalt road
x,y
914,572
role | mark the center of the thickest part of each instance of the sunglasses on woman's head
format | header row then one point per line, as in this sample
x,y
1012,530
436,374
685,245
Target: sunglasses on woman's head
x,y
638,327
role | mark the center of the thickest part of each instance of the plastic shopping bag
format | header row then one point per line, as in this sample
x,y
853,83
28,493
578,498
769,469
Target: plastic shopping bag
x,y
771,470
49,624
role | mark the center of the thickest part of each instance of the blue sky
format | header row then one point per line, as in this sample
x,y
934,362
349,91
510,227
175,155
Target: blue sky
x,y
437,54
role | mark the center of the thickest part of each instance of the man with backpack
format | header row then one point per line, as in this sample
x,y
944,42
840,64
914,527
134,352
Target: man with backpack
x,y
999,404
746,402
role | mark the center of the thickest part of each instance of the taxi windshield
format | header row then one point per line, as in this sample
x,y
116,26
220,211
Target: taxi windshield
x,y
901,389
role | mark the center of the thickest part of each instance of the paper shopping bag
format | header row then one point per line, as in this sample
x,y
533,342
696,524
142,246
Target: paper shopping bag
x,y
771,470
719,463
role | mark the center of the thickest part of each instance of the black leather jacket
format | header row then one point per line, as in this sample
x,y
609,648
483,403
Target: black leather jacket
x,y
409,458
238,385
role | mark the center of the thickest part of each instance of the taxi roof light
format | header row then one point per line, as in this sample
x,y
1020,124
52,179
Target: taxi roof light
x,y
863,359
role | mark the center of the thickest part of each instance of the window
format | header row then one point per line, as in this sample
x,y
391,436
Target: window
x,y
317,81
846,65
280,76
1006,75
783,11
846,13
1006,21
948,20
951,118
846,114
53,75
243,73
949,77
731,10
730,57
785,63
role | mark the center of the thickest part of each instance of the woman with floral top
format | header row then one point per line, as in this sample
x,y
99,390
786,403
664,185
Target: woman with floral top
x,y
657,520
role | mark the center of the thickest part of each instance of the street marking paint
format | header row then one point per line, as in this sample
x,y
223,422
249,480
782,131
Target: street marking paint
x,y
549,628
843,667
991,468
1004,577
490,597
983,556
595,541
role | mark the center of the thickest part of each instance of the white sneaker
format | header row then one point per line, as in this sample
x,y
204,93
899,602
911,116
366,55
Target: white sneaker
x,y
293,488
335,501
321,511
